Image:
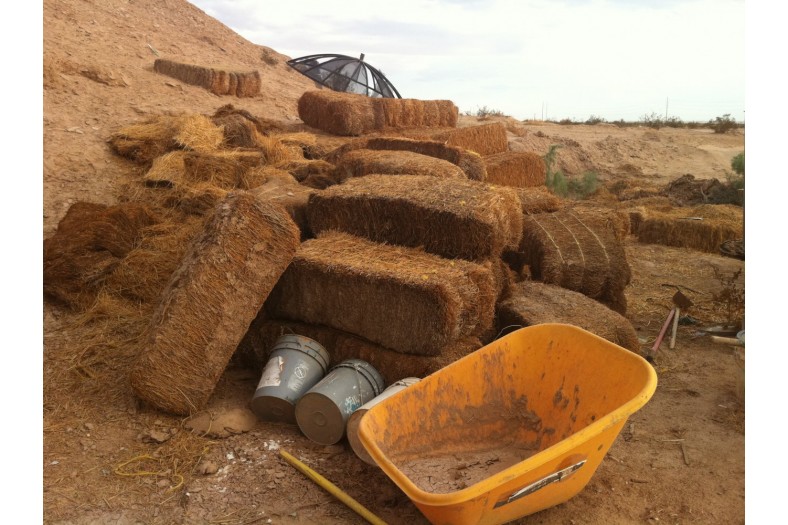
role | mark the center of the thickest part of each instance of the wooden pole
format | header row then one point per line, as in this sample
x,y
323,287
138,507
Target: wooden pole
x,y
675,327
662,332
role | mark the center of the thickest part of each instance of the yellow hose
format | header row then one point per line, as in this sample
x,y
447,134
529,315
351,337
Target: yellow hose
x,y
332,489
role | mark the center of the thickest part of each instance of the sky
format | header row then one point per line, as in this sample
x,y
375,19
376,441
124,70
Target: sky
x,y
530,59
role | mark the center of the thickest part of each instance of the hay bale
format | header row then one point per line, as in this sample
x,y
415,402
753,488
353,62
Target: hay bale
x,y
537,199
486,139
448,217
397,297
302,169
217,81
156,136
196,199
87,246
618,220
520,169
702,228
167,170
532,303
224,169
575,249
349,114
145,271
280,187
362,162
392,365
469,162
210,301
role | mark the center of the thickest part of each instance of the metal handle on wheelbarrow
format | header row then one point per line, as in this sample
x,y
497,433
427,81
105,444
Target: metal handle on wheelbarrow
x,y
537,485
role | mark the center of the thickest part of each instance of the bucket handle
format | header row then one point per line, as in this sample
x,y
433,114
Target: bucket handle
x,y
536,485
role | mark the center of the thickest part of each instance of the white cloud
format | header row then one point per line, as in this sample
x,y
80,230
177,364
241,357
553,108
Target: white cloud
x,y
614,58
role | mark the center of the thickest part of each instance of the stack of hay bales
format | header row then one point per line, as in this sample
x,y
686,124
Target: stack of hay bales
x,y
515,168
531,303
217,81
453,218
349,114
210,301
578,250
400,298
704,227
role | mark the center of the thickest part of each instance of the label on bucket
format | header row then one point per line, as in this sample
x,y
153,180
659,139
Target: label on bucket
x,y
272,375
296,381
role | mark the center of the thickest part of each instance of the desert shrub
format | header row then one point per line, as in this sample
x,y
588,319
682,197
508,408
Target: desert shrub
x,y
737,163
723,124
674,122
557,183
585,186
485,112
652,121
593,119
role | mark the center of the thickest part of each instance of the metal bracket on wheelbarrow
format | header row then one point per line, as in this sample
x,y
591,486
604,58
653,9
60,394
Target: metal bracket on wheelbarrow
x,y
536,485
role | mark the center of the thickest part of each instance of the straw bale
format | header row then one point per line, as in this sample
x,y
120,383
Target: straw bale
x,y
362,162
301,169
210,300
520,169
486,139
469,162
87,246
401,298
532,303
340,346
349,114
680,227
223,169
196,199
453,218
618,220
577,250
280,187
156,136
167,170
537,199
217,81
145,271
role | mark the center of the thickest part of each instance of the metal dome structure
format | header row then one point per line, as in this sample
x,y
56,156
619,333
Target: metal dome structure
x,y
344,73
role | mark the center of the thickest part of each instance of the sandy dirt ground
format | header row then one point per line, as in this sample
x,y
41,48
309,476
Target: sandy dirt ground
x,y
109,460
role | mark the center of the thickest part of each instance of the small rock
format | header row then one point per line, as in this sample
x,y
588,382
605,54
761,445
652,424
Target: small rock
x,y
206,468
279,475
89,427
163,483
155,436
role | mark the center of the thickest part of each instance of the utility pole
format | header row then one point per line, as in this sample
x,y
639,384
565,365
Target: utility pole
x,y
666,109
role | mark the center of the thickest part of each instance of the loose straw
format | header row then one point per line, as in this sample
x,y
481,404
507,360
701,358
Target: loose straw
x,y
332,489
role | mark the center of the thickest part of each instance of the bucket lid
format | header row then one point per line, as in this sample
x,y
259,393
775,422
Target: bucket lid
x,y
368,371
303,344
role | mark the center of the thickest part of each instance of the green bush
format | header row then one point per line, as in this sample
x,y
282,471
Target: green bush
x,y
485,112
737,163
584,187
